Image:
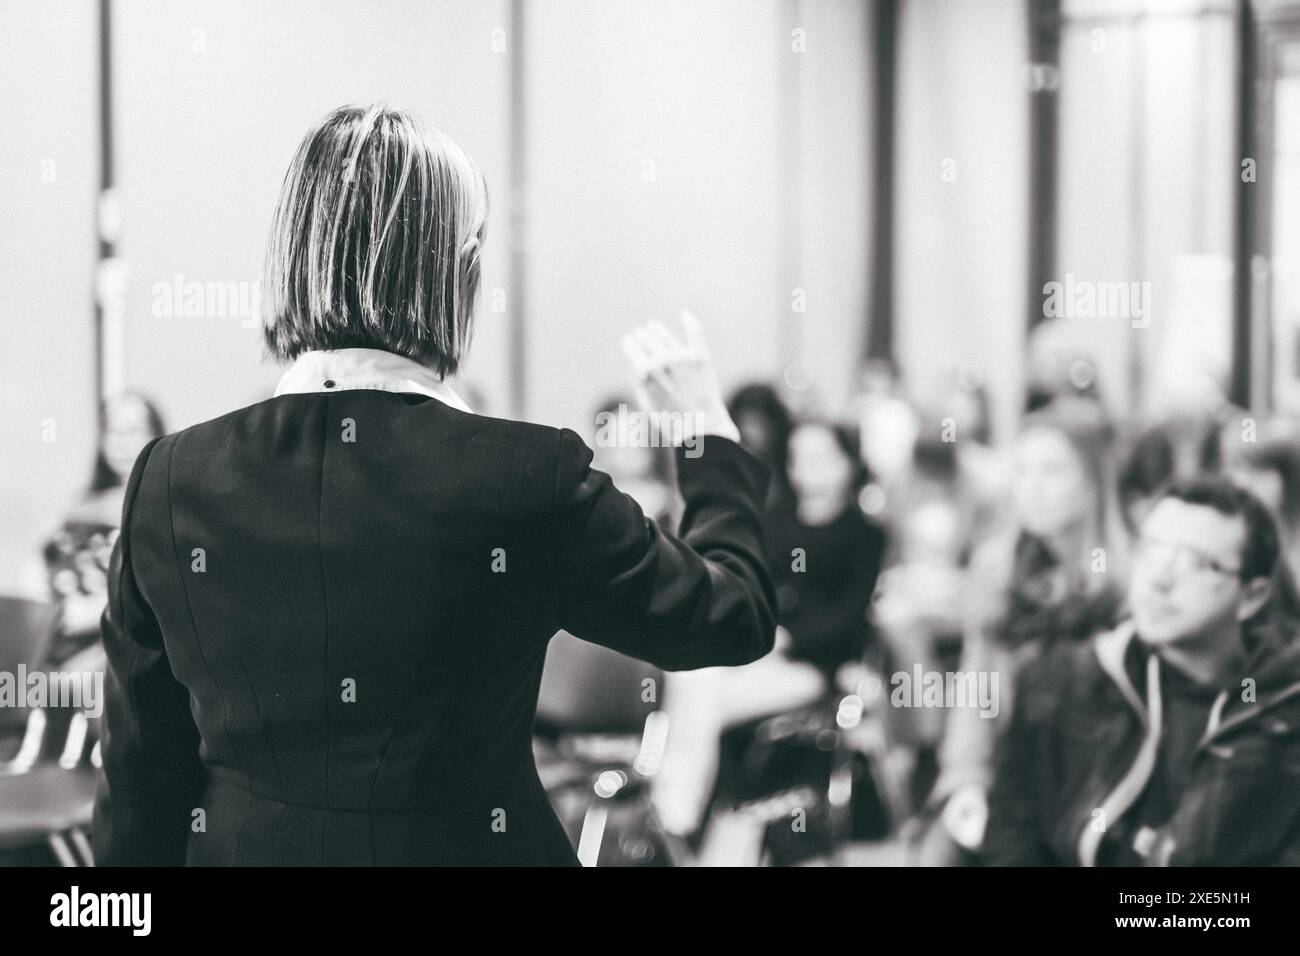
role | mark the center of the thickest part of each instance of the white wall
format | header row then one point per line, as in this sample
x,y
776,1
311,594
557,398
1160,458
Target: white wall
x,y
961,246
214,97
1146,170
49,175
1148,167
710,154
660,149
832,168
701,155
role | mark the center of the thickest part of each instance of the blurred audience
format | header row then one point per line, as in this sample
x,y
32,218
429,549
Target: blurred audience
x,y
825,556
1146,710
1170,740
72,567
1270,470
1051,578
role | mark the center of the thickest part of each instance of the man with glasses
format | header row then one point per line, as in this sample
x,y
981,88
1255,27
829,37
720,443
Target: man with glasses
x,y
1174,739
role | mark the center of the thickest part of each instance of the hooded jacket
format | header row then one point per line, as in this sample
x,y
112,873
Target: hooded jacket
x,y
1085,740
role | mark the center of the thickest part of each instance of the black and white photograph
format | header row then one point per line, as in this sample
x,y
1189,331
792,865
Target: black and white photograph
x,y
641,434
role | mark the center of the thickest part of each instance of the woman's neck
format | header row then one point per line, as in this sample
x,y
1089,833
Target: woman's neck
x,y
814,510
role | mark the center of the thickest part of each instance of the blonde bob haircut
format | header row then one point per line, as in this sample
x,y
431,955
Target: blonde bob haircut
x,y
375,241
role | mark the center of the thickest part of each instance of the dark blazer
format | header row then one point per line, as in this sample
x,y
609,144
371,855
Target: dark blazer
x,y
328,615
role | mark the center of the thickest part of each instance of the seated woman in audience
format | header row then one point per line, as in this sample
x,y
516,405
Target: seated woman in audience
x,y
824,558
764,424
827,556
72,568
1056,576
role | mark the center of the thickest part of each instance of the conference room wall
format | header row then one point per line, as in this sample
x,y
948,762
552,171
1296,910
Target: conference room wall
x,y
702,155
681,154
961,243
49,172
212,100
1148,166
711,155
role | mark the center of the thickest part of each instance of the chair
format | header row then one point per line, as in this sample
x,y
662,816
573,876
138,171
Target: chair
x,y
49,805
26,635
805,785
43,801
597,742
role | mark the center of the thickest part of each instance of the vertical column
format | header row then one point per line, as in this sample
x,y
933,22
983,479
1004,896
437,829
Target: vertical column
x,y
109,278
1044,81
517,364
883,43
1239,383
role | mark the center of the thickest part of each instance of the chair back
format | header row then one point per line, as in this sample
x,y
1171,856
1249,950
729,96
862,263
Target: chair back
x,y
587,688
26,634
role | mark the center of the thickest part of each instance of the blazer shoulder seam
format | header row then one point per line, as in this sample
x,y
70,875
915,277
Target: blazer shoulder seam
x,y
557,455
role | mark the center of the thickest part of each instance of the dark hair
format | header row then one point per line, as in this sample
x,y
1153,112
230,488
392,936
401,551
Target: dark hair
x,y
935,459
1151,463
1147,468
763,402
1261,550
1283,458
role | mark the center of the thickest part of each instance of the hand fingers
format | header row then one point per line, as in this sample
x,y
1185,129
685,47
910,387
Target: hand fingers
x,y
648,359
641,358
694,329
660,345
671,344
654,342
643,398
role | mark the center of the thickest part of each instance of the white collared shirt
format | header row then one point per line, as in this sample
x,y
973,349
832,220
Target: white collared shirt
x,y
337,370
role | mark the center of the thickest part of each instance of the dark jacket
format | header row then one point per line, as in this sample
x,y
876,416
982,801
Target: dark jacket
x,y
327,651
824,602
1078,761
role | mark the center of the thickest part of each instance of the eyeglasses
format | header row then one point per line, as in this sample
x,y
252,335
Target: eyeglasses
x,y
1185,559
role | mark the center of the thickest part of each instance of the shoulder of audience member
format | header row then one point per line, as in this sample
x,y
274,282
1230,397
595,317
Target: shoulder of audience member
x,y
1063,675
